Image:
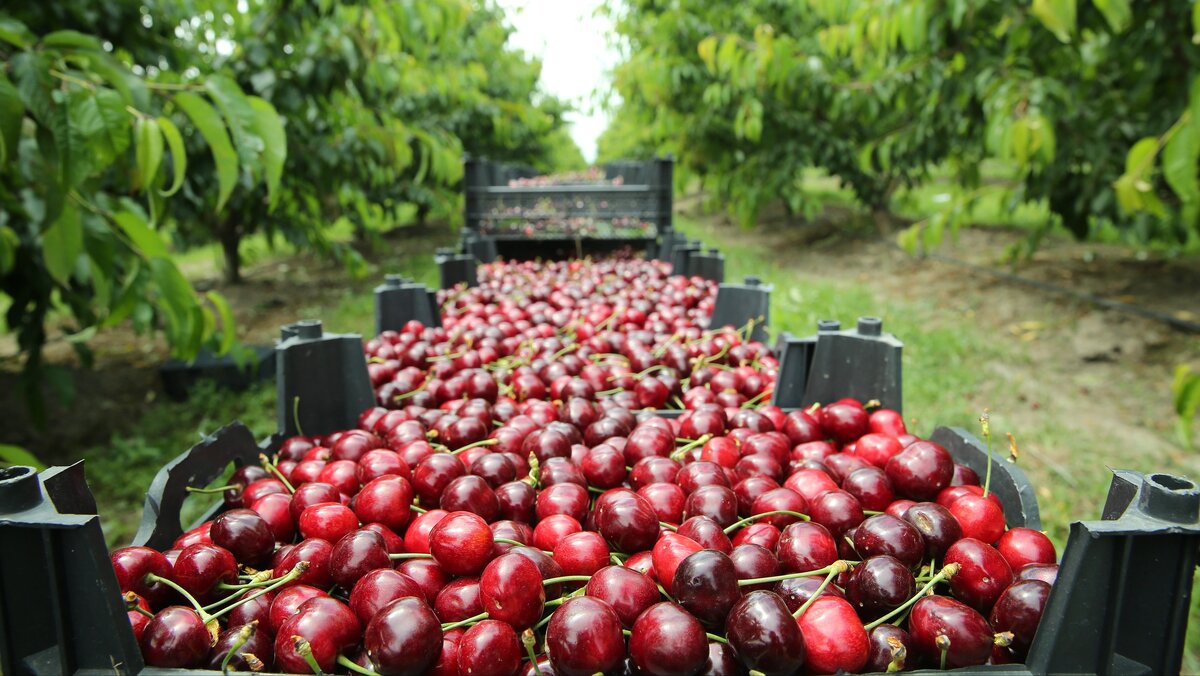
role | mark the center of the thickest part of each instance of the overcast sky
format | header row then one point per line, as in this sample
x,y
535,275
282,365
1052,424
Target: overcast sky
x,y
573,46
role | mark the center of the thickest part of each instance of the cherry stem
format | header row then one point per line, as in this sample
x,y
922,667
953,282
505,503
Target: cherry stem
x,y
266,463
296,415
985,423
417,509
757,398
529,640
837,570
605,393
410,555
151,577
692,443
947,572
663,590
509,541
217,489
243,637
132,605
356,668
627,632
304,649
836,565
718,639
942,642
477,444
294,573
566,578
872,512
462,623
669,526
751,519
261,579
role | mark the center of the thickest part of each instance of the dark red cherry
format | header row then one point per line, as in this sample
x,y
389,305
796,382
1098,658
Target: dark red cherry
x,y
245,534
327,521
378,588
983,576
706,585
404,637
878,585
626,591
131,565
706,532
385,500
355,555
920,471
328,626
667,641
666,499
871,487
458,600
312,494
1046,572
834,638
761,534
511,590
937,527
288,602
461,543
717,502
796,591
257,607
258,651
801,427
890,648
967,633
764,634
471,493
584,637
431,476
564,498
317,553
885,534
176,637
753,561
1019,610
837,510
1023,546
426,573
516,501
653,470
200,568
490,648
779,499
806,546
629,525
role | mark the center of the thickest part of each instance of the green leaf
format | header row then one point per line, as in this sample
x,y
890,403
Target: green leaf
x,y
209,124
269,127
145,239
15,33
707,49
12,111
115,137
149,151
1196,24
1179,163
8,248
71,40
1056,15
228,328
1141,157
1186,391
62,243
1116,12
15,455
178,153
117,75
239,117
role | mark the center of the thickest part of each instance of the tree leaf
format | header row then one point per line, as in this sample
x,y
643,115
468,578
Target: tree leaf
x,y
117,75
15,455
110,137
1141,157
8,248
71,40
12,111
178,153
149,151
209,124
1186,391
239,117
269,127
228,327
1116,12
15,33
145,239
62,243
707,49
1056,15
1179,163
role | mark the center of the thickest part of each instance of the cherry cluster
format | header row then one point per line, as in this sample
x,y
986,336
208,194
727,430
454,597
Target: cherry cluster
x,y
722,541
624,333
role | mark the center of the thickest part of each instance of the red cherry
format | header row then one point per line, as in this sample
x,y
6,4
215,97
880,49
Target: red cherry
x,y
667,640
404,637
490,648
581,553
458,600
1023,546
984,574
627,591
132,564
511,590
670,550
584,637
921,470
461,543
175,638
416,538
806,546
834,638
967,636
327,521
287,603
980,518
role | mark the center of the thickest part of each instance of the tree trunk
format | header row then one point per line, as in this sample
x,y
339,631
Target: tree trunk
x,y
230,239
423,215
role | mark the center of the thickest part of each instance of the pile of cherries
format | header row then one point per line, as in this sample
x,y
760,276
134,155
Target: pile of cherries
x,y
568,535
620,332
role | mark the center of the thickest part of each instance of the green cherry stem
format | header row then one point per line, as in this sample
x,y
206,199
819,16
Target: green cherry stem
x,y
462,623
266,463
789,576
294,573
947,572
509,541
214,489
751,519
529,640
839,567
304,649
151,577
566,578
243,637
349,664
718,639
131,605
410,555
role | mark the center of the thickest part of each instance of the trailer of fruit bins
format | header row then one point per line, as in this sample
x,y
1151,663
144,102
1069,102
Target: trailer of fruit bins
x,y
511,213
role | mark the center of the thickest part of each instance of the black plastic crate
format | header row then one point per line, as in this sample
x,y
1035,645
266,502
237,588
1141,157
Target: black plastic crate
x,y
179,377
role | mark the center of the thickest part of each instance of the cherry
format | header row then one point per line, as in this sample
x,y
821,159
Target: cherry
x,y
1019,610
1023,546
287,603
762,534
461,543
385,500
871,487
496,469
937,527
584,637
132,564
471,493
447,663
779,499
355,555
837,510
1046,572
511,590
753,561
695,475
900,506
427,574
837,465
800,427
670,550
796,591
432,474
564,498
967,633
312,494
327,521
342,475
877,449
764,634
706,532
717,502
834,638
984,574
176,638
706,585
921,470
666,499
879,585
629,524
256,489
516,501
806,546
329,627
317,553
256,651
378,588
626,591
458,600
980,517
810,483
275,509
890,645
581,553
666,640
964,476
549,531
490,648
201,568
403,637
885,534
381,462
416,538
242,477
245,534
653,470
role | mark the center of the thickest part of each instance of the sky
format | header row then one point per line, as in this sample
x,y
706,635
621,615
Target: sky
x,y
573,46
